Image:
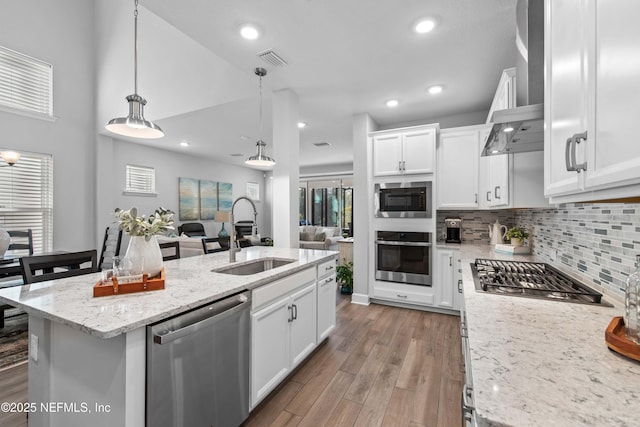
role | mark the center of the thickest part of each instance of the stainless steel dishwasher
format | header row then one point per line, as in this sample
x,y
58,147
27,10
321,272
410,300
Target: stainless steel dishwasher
x,y
198,366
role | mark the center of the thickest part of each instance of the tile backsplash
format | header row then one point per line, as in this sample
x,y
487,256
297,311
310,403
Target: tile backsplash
x,y
597,240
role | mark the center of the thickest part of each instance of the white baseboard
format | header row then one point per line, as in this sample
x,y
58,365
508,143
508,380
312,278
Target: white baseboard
x,y
362,299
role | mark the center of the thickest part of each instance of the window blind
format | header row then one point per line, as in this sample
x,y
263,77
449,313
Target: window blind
x,y
25,83
26,198
140,179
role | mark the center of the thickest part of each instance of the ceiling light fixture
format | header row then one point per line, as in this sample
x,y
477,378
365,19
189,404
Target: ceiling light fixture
x,y
260,159
135,125
249,32
10,157
302,125
508,129
392,103
435,89
424,26
184,144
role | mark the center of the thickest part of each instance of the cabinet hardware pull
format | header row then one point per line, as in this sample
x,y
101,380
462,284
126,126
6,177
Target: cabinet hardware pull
x,y
460,285
399,165
329,280
295,312
567,155
495,192
290,319
450,261
489,196
404,166
577,138
476,197
328,268
467,394
401,296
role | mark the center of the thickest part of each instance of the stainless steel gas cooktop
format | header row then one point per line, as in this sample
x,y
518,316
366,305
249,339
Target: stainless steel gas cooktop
x,y
530,279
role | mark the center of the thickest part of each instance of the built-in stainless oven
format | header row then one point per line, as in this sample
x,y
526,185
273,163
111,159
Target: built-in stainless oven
x,y
403,199
404,257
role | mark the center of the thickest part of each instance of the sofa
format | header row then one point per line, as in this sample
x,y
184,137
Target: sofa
x,y
318,237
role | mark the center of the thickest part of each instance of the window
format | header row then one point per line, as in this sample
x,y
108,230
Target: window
x,y
330,202
140,180
26,84
26,198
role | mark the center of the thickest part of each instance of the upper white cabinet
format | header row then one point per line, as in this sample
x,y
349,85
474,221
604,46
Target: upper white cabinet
x,y
591,100
458,163
407,151
505,96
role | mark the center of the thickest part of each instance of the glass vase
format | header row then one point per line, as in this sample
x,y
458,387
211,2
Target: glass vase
x,y
143,256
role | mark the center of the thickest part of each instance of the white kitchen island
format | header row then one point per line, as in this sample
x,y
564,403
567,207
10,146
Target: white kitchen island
x,y
545,363
88,365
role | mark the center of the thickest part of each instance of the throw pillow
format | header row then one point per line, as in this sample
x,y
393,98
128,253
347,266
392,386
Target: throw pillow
x,y
328,232
303,236
319,237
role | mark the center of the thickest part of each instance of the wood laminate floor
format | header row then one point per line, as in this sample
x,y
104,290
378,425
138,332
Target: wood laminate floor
x,y
382,366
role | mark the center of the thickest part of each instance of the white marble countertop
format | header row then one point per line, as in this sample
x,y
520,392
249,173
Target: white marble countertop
x,y
540,363
189,283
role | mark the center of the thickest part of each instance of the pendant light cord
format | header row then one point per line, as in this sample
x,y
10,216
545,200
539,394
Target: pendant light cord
x,y
260,126
135,48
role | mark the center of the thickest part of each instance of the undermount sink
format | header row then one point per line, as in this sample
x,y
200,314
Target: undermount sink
x,y
253,267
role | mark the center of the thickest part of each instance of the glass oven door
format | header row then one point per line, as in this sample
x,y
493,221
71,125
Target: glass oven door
x,y
404,261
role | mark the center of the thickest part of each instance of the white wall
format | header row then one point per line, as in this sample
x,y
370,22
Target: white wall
x,y
450,121
169,166
60,33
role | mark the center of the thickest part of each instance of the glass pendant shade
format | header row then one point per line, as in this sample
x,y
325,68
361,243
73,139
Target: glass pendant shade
x,y
260,159
11,157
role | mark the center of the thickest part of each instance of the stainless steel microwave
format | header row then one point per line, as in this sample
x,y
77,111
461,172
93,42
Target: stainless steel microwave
x,y
403,200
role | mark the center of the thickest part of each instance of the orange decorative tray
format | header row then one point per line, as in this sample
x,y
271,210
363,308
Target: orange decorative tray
x,y
102,289
617,340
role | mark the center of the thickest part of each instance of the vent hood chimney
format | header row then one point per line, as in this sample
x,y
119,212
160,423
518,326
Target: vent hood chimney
x,y
520,129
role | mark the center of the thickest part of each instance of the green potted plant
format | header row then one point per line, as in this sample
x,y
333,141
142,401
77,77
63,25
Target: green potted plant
x,y
517,235
344,276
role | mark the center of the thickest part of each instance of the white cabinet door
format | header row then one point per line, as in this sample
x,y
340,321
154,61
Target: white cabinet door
x,y
446,264
499,180
613,151
303,323
505,96
458,161
387,154
418,151
566,91
269,348
326,306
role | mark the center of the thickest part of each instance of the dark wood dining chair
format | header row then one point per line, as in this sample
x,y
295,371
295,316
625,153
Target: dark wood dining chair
x,y
168,245
110,246
222,241
58,266
192,229
26,244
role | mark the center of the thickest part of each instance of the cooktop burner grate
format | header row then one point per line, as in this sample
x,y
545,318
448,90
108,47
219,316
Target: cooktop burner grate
x,y
532,279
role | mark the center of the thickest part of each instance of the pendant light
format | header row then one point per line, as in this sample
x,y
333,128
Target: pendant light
x,y
260,159
10,157
135,125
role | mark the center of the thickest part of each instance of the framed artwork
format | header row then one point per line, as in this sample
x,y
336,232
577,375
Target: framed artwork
x,y
225,196
253,191
208,199
189,203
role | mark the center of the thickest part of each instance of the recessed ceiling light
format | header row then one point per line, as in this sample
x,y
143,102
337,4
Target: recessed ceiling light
x,y
508,129
244,137
249,32
184,144
302,125
392,103
435,89
424,25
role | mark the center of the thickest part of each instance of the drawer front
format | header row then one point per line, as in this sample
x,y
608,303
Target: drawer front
x,y
279,288
327,268
404,296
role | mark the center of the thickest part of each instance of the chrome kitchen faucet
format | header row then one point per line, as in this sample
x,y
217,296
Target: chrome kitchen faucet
x,y
232,236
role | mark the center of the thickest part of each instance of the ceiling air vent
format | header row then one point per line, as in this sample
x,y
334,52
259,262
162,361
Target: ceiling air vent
x,y
322,144
270,57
